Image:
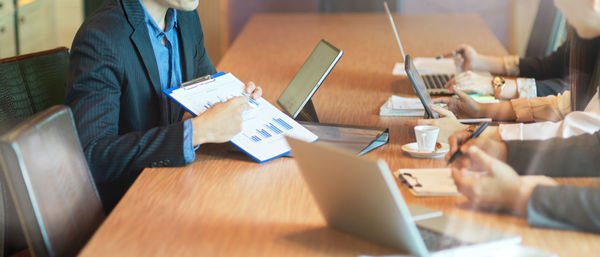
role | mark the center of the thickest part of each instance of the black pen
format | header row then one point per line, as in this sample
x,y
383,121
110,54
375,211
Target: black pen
x,y
455,53
475,134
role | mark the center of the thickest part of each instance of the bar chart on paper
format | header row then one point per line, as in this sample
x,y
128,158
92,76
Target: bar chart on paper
x,y
263,126
270,130
263,132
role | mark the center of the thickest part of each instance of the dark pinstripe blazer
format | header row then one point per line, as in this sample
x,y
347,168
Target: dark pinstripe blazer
x,y
115,95
563,207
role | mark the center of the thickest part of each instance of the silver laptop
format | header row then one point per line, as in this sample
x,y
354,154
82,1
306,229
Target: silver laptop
x,y
361,197
433,82
419,86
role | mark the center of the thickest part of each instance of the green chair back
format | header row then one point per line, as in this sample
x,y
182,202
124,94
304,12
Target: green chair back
x,y
32,83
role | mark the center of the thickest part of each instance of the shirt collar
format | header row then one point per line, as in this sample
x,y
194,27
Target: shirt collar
x,y
170,21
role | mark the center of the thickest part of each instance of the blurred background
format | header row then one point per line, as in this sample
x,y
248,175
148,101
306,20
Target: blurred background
x,y
33,25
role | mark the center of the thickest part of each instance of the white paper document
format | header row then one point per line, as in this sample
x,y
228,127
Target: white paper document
x,y
263,126
427,65
402,106
412,106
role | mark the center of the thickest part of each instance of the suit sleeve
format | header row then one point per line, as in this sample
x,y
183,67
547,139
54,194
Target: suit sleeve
x,y
551,87
577,156
565,207
553,66
96,78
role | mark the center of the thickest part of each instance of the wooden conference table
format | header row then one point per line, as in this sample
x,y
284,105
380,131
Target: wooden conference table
x,y
224,204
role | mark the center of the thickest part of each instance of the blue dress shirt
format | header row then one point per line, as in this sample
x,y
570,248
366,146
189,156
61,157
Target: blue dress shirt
x,y
166,51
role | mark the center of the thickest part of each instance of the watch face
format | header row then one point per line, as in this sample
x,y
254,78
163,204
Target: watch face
x,y
498,82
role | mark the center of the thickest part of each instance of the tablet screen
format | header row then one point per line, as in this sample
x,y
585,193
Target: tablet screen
x,y
308,79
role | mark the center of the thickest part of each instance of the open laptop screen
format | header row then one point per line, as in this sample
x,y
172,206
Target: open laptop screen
x,y
308,79
419,87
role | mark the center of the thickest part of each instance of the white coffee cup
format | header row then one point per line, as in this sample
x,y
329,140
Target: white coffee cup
x,y
426,137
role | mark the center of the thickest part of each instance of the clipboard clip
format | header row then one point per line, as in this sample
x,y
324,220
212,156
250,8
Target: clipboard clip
x,y
197,82
415,180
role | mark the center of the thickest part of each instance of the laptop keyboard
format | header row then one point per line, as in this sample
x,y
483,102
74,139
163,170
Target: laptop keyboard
x,y
436,241
436,81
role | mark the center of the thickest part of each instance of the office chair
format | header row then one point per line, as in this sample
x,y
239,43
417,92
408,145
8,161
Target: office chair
x,y
50,183
28,84
548,31
2,219
31,83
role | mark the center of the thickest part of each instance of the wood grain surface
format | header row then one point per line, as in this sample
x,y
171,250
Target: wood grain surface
x,y
224,204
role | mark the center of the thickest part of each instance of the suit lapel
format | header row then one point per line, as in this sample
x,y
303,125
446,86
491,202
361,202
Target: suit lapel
x,y
186,53
188,48
135,16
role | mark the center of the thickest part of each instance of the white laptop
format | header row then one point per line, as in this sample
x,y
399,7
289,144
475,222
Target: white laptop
x,y
433,82
361,197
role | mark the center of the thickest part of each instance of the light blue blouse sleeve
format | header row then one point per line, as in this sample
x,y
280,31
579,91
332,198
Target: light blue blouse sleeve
x,y
189,151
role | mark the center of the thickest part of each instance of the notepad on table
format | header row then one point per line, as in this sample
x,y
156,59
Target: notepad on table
x,y
412,106
402,106
428,182
263,125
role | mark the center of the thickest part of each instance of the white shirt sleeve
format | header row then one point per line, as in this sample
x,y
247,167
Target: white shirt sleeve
x,y
575,123
526,88
531,131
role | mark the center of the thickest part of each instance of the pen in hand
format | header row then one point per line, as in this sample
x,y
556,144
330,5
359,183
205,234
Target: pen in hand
x,y
475,134
455,53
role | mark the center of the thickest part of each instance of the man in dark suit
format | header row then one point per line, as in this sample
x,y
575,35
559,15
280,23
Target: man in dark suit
x,y
489,175
122,57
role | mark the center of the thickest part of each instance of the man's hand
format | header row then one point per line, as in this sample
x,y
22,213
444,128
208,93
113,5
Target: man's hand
x,y
464,106
221,122
468,60
471,82
498,186
253,91
489,141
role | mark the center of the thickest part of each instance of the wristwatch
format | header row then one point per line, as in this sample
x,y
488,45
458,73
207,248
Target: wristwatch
x,y
498,84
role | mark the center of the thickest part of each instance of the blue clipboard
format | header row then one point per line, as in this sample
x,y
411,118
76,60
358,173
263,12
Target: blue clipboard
x,y
206,78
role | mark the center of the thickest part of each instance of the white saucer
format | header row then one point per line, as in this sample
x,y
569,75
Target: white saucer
x,y
413,150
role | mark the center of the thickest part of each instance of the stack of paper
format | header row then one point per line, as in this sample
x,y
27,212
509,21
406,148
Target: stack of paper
x,y
402,106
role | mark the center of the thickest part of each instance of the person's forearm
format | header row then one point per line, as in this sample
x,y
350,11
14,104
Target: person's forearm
x,y
564,207
498,111
556,157
493,64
